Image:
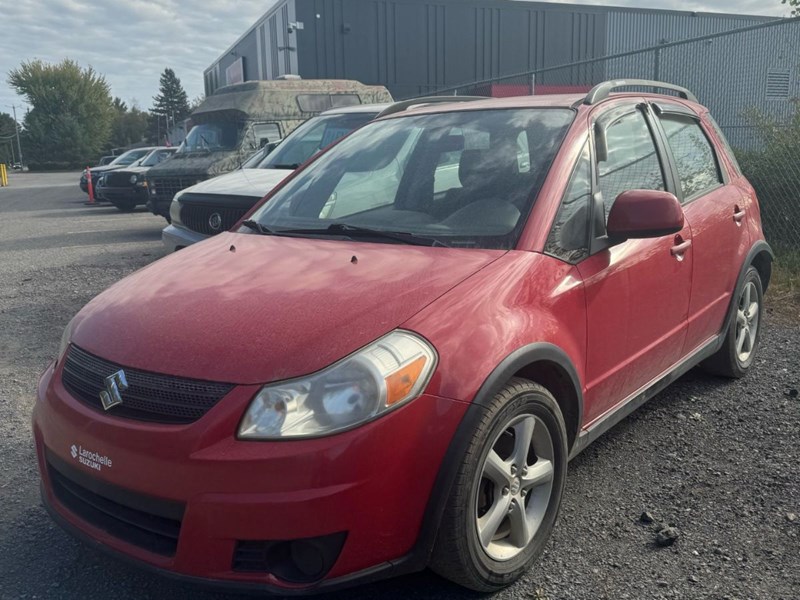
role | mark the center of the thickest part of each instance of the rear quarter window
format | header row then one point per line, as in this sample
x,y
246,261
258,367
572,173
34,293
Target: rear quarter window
x,y
726,147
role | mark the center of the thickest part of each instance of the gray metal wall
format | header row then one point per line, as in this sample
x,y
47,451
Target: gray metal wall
x,y
268,49
733,74
418,46
634,29
414,46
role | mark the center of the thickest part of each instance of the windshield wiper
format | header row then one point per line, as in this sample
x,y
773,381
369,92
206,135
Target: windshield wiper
x,y
291,167
256,226
352,231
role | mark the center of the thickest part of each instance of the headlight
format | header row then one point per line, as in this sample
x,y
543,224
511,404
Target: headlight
x,y
134,178
175,209
65,337
378,378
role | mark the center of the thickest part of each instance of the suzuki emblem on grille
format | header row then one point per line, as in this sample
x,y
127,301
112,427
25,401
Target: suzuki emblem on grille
x,y
115,384
215,221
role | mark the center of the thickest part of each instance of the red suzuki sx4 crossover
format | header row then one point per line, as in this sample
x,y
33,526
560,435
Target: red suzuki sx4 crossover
x,y
388,364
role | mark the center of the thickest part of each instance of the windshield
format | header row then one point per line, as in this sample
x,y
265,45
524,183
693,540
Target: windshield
x,y
130,157
311,137
464,179
212,137
156,156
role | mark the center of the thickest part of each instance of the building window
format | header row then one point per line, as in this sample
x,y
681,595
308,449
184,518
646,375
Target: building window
x,y
778,84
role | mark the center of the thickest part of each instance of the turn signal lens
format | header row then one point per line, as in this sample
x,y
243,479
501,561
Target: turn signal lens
x,y
400,383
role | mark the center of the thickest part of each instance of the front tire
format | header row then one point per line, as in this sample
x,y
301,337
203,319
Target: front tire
x,y
738,351
507,493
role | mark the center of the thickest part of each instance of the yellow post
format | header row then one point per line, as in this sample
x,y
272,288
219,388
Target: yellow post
x,y
3,175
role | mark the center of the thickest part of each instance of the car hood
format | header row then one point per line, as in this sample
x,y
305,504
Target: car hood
x,y
243,182
245,308
199,163
105,168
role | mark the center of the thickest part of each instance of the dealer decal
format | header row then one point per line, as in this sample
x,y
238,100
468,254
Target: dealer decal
x,y
89,458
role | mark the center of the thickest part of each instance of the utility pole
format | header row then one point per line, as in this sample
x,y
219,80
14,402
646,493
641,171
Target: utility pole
x,y
16,128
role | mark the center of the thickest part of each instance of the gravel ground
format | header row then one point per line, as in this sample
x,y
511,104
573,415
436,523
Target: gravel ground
x,y
716,459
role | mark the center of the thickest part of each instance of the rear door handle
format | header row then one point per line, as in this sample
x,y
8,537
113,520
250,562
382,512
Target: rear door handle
x,y
738,214
680,247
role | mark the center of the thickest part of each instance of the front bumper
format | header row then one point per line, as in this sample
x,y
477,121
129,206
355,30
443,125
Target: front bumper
x,y
372,483
131,194
176,237
159,206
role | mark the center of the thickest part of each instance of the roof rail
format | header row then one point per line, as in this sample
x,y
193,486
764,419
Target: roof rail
x,y
406,104
602,90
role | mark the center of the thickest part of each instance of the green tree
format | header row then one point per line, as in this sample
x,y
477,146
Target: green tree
x,y
7,138
794,5
71,111
170,106
129,125
119,105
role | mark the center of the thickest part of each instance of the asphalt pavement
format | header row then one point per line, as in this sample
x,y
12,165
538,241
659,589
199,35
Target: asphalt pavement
x,y
718,459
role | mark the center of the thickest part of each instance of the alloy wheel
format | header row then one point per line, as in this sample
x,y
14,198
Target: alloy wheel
x,y
747,322
515,487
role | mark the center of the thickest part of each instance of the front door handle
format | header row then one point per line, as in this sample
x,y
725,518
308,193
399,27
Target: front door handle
x,y
680,247
738,214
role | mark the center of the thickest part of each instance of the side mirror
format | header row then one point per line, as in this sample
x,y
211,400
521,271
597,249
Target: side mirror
x,y
271,146
644,214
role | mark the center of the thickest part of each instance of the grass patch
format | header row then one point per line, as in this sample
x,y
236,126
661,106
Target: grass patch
x,y
784,288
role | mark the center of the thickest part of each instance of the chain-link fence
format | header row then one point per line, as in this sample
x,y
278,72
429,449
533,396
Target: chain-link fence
x,y
749,78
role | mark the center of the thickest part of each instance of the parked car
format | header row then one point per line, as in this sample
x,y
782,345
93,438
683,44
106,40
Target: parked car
x,y
215,205
17,166
237,120
350,387
123,160
126,188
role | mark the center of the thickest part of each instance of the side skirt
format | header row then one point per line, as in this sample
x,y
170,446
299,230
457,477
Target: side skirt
x,y
638,398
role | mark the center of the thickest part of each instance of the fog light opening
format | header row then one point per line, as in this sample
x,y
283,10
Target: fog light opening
x,y
295,561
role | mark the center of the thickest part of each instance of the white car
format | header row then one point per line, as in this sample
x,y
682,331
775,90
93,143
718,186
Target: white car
x,y
215,205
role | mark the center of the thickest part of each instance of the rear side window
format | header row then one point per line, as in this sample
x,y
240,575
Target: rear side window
x,y
569,237
632,162
321,102
266,133
694,157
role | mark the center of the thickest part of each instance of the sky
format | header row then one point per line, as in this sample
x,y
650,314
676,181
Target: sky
x,y
132,41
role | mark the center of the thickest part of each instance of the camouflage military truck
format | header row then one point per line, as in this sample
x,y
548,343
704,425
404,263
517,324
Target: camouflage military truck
x,y
237,120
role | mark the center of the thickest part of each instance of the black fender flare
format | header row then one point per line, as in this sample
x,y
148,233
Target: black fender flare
x,y
451,462
758,248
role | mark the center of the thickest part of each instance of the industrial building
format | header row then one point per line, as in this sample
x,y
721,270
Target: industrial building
x,y
419,47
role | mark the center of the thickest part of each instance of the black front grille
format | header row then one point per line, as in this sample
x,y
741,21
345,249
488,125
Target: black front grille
x,y
149,523
149,396
118,179
166,187
199,217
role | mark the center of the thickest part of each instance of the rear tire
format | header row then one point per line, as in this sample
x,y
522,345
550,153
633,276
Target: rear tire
x,y
738,351
507,493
